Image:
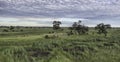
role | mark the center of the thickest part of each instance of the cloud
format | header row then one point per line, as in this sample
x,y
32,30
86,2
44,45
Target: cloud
x,y
60,8
91,10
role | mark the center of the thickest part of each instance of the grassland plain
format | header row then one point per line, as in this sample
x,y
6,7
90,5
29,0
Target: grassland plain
x,y
30,45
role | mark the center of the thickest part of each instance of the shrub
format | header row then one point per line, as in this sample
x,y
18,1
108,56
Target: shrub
x,y
69,33
21,30
5,30
46,36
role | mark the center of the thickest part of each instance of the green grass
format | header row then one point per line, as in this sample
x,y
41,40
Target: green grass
x,y
31,46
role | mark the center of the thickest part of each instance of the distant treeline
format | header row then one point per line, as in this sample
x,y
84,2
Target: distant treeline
x,y
42,27
24,27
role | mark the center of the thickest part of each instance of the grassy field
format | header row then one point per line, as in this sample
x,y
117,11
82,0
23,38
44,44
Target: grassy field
x,y
30,45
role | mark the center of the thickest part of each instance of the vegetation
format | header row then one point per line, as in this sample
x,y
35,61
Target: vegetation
x,y
81,29
102,28
56,25
37,44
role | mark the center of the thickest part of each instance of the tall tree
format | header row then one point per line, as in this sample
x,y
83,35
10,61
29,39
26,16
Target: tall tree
x,y
102,28
56,25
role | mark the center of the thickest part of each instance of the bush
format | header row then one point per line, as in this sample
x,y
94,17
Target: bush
x,y
70,33
21,30
46,36
5,30
53,32
51,36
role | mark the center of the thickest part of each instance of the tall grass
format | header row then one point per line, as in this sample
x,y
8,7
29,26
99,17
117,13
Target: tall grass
x,y
74,48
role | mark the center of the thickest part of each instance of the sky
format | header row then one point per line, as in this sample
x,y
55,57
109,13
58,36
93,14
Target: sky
x,y
44,12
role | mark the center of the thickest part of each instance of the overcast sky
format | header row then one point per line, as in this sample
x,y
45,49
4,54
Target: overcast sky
x,y
43,12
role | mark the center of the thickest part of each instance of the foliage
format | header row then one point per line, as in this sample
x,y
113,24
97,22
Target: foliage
x,y
102,28
77,27
56,25
5,30
11,27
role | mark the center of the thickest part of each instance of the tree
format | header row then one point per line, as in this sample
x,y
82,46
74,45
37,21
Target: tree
x,y
79,22
74,25
77,27
56,25
11,27
102,28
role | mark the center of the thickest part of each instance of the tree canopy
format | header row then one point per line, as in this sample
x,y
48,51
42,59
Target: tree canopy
x,y
102,28
56,25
